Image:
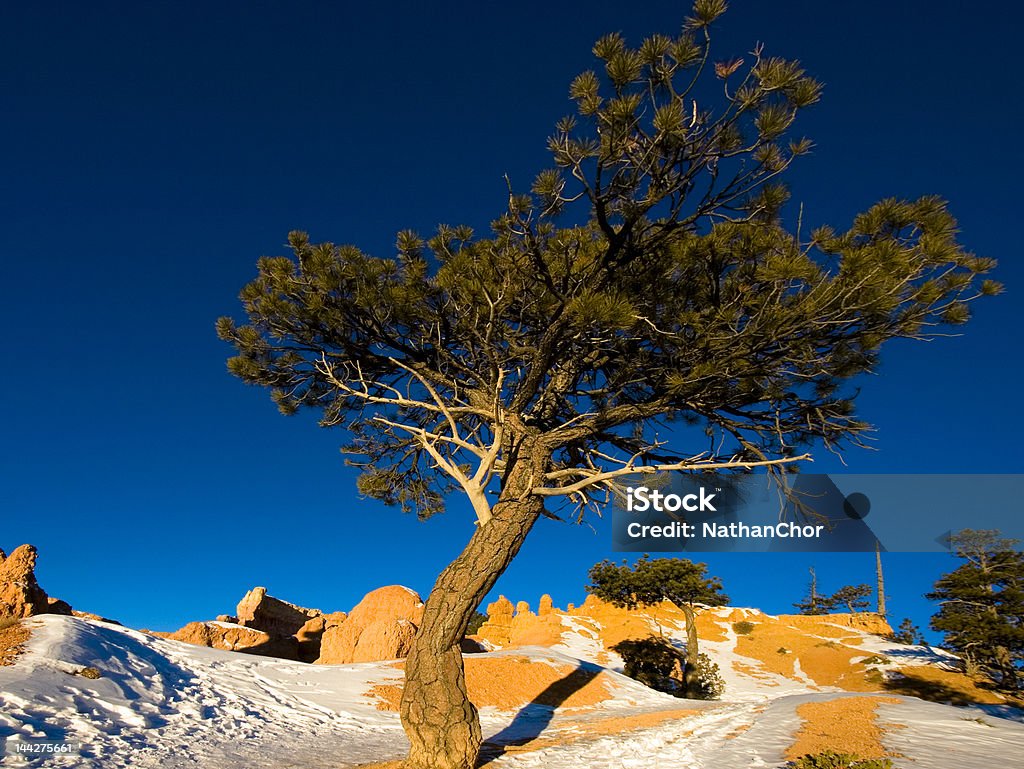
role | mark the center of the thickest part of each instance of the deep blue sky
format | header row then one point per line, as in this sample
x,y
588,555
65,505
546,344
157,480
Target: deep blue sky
x,y
151,152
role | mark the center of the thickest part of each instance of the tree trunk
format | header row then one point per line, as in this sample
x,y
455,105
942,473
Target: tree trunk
x,y
814,591
1008,673
692,653
442,725
880,578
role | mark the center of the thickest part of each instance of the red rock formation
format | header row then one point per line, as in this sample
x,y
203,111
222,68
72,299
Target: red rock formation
x,y
236,638
272,615
546,606
20,593
380,627
524,628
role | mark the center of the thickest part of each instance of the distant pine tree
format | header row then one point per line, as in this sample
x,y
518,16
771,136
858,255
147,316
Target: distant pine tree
x,y
853,597
814,603
907,633
475,622
981,608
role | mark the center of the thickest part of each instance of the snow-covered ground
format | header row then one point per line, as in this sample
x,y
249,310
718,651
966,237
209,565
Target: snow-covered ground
x,y
160,703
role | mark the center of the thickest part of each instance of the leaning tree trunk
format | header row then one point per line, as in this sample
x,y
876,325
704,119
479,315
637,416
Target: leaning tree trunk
x,y
442,725
690,683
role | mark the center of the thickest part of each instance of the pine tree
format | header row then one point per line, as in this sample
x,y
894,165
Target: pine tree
x,y
981,609
907,633
530,367
814,603
853,597
648,583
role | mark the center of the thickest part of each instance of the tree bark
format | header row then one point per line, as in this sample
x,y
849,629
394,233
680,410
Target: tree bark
x,y
692,652
880,577
442,725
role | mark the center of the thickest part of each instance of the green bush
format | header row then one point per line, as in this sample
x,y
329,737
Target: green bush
x,y
656,663
832,760
875,659
710,684
743,627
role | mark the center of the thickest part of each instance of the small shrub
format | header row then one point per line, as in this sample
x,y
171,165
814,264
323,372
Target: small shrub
x,y
743,627
874,676
875,659
6,622
828,644
783,650
981,721
832,760
92,673
710,684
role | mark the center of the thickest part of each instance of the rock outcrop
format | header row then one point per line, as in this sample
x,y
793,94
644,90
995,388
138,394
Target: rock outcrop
x,y
262,625
523,627
20,593
310,635
380,627
236,638
272,615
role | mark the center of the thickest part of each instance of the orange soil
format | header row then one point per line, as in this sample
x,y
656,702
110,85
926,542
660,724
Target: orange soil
x,y
826,663
512,682
12,642
845,725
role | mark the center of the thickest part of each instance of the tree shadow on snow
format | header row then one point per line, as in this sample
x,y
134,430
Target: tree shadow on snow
x,y
533,718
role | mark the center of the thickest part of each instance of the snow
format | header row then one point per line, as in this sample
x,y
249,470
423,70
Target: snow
x,y
168,704
161,703
580,640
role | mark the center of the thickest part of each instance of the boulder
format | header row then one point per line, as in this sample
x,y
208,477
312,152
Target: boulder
x,y
20,593
272,615
381,627
310,635
236,638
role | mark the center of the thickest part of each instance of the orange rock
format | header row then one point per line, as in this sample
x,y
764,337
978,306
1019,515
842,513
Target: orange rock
x,y
90,615
381,627
866,621
20,593
272,615
500,612
545,606
237,638
310,635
